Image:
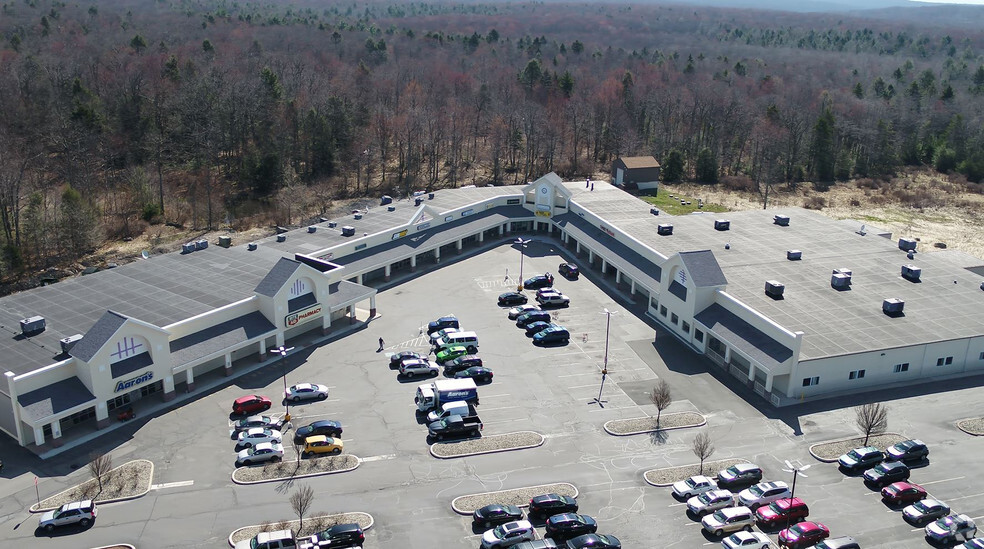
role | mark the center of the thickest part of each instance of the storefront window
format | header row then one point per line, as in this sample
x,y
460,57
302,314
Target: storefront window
x,y
118,402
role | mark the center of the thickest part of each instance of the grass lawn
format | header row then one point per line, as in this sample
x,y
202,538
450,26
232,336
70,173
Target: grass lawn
x,y
673,206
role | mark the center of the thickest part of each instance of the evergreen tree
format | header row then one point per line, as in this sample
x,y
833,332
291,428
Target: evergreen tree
x,y
824,155
78,224
707,166
673,166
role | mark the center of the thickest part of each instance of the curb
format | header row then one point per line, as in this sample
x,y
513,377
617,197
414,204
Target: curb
x,y
372,522
701,424
834,460
358,462
150,481
739,460
496,451
971,433
468,513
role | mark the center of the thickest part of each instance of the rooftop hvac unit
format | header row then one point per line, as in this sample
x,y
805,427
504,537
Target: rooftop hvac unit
x,y
281,237
201,244
312,228
843,270
893,306
794,255
332,224
911,272
774,289
416,202
722,225
907,244
69,342
654,211
664,229
32,325
348,231
358,216
430,196
390,208
188,247
251,246
386,199
281,230
840,281
781,220
225,241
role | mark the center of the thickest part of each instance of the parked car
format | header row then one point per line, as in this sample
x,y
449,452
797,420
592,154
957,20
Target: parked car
x,y
553,334
516,311
594,541
534,328
728,520
886,473
568,271
551,504
539,281
480,374
447,321
279,539
902,492
710,501
782,511
340,535
570,525
256,435
512,298
264,451
496,513
843,542
693,486
397,358
82,513
763,493
907,450
320,444
250,404
439,335
326,427
976,543
925,510
256,421
739,474
553,299
448,354
419,367
306,391
508,534
532,316
803,534
860,459
746,540
538,544
948,529
461,363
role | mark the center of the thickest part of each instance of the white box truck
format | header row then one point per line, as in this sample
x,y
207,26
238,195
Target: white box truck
x,y
433,395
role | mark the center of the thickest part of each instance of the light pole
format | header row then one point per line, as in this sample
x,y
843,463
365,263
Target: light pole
x,y
522,245
604,368
796,471
282,351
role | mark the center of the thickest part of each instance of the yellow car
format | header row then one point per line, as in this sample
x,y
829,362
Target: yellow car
x,y
321,444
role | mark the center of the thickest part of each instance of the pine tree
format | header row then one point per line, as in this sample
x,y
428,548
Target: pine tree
x,y
824,155
673,166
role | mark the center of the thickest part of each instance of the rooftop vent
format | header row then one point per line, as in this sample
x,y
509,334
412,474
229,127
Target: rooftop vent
x,y
911,272
312,228
664,229
32,325
348,231
893,306
201,244
390,208
416,201
654,211
225,241
358,215
781,220
69,342
907,244
774,289
188,247
386,199
722,224
430,196
794,255
281,237
332,224
841,279
251,246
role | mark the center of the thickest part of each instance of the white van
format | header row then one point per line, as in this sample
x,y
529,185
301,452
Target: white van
x,y
469,340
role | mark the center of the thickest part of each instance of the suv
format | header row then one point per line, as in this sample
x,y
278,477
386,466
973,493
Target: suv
x,y
449,321
739,474
251,404
568,270
729,520
860,459
279,539
886,473
907,450
553,299
461,363
553,334
710,501
539,281
946,529
340,535
763,493
693,486
532,316
419,366
782,511
551,504
82,513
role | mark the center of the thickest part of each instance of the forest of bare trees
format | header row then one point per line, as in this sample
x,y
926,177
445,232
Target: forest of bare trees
x,y
118,114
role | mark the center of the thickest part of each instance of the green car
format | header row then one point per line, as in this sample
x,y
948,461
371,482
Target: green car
x,y
450,353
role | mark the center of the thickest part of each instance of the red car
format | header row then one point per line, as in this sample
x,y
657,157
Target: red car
x,y
804,534
251,404
902,492
781,511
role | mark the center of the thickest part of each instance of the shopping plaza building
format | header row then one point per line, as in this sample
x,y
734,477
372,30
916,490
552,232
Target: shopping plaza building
x,y
797,305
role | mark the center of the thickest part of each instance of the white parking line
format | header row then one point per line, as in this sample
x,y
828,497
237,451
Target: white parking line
x,y
178,484
584,374
939,481
379,458
612,408
965,497
494,396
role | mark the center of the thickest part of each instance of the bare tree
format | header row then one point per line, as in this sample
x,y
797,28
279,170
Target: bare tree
x,y
99,465
300,502
702,448
871,418
661,397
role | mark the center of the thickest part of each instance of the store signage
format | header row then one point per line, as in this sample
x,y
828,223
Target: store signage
x,y
543,214
134,381
294,319
608,231
400,234
467,212
423,226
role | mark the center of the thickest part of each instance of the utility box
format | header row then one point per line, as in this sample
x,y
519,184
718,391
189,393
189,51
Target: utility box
x,y
722,225
332,224
357,216
794,255
893,306
69,342
225,241
907,244
664,229
774,289
201,244
32,325
188,247
390,208
781,220
251,246
416,202
386,199
840,281
281,238
348,231
654,211
312,229
430,196
911,272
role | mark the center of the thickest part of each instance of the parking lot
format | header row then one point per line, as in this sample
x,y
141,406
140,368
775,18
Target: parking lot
x,y
550,390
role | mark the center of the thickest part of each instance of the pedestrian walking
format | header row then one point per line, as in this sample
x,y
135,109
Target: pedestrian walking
x,y
380,345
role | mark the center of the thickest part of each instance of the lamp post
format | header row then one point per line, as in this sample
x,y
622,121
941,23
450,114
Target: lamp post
x,y
604,368
522,245
796,471
282,351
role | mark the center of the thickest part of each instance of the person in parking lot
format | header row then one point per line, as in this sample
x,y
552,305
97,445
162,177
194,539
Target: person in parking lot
x,y
380,346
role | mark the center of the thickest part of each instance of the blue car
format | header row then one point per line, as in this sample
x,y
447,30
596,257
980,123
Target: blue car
x,y
554,334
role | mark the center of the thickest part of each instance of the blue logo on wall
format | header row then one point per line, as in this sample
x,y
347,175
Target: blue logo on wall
x,y
133,382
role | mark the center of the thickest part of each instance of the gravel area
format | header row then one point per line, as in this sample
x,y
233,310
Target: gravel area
x,y
486,444
639,425
295,469
668,475
128,481
520,497
972,426
829,451
318,522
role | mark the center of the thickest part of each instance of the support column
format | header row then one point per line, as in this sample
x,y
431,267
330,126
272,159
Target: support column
x,y
372,306
387,271
56,433
751,373
481,237
102,418
437,255
604,266
632,288
577,248
590,258
768,382
458,244
727,355
358,280
280,339
326,323
508,226
618,279
39,433
413,263
168,388
228,363
501,229
190,379
260,357
351,313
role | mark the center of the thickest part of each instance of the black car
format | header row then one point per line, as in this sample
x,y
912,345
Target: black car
x,y
569,271
552,334
739,474
594,541
513,298
494,514
539,281
461,363
326,427
570,525
551,504
342,535
534,328
397,358
532,316
907,450
886,473
478,373
449,321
